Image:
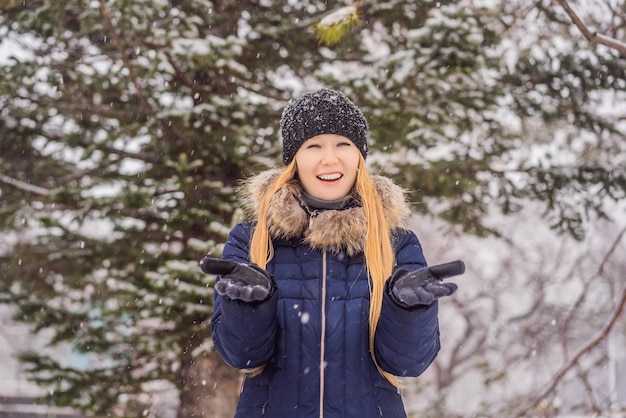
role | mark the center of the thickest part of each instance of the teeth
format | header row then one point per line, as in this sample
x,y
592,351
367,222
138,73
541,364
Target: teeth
x,y
330,176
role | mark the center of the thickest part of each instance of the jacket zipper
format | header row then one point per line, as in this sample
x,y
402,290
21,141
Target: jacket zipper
x,y
323,335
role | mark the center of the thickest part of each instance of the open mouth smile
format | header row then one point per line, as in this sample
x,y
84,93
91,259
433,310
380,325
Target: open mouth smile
x,y
330,177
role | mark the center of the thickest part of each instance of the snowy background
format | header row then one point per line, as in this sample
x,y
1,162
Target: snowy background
x,y
118,170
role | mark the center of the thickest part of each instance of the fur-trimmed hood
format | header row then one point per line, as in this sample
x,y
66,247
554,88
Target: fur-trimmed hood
x,y
331,230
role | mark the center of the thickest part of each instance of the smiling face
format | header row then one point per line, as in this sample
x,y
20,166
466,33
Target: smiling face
x,y
327,166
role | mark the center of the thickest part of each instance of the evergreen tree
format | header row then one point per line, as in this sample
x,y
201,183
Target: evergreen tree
x,y
126,126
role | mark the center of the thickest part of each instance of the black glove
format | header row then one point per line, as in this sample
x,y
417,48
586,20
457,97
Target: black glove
x,y
245,282
422,287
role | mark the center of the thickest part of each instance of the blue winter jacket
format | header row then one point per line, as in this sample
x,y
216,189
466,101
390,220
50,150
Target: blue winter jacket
x,y
312,334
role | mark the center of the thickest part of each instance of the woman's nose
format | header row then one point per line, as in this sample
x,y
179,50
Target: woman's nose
x,y
329,157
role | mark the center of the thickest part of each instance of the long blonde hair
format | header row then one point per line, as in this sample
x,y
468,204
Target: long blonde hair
x,y
378,250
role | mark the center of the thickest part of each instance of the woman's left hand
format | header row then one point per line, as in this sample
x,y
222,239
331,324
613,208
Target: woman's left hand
x,y
422,287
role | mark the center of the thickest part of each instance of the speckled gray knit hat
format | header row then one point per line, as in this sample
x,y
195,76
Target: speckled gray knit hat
x,y
324,111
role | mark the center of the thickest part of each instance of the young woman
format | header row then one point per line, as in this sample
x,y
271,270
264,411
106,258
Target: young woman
x,y
324,299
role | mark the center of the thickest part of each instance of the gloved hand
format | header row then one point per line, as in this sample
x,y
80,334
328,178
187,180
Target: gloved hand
x,y
422,287
239,281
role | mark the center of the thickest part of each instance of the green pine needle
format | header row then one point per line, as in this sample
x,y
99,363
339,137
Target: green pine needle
x,y
333,28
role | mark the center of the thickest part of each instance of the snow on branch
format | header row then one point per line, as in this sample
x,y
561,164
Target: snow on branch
x,y
336,25
593,37
120,46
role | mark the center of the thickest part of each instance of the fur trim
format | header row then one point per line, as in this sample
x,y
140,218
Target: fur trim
x,y
332,230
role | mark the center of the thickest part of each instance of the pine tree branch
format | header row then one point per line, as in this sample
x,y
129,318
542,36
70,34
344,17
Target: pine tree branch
x,y
77,108
593,37
119,46
134,79
24,186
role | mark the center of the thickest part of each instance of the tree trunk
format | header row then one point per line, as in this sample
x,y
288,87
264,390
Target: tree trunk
x,y
210,387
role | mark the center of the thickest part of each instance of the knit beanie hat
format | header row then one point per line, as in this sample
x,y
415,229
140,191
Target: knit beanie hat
x,y
324,111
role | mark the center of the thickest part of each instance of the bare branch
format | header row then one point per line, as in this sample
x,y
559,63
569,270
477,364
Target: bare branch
x,y
604,332
589,282
602,335
593,37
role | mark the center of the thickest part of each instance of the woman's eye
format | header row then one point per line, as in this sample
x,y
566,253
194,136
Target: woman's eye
x,y
343,144
313,146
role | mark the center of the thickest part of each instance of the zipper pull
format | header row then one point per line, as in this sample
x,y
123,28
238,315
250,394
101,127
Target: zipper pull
x,y
312,215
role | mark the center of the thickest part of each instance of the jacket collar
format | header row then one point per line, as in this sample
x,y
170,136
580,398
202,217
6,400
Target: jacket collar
x,y
333,230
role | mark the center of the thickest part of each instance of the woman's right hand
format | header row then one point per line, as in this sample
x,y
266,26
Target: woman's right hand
x,y
239,281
